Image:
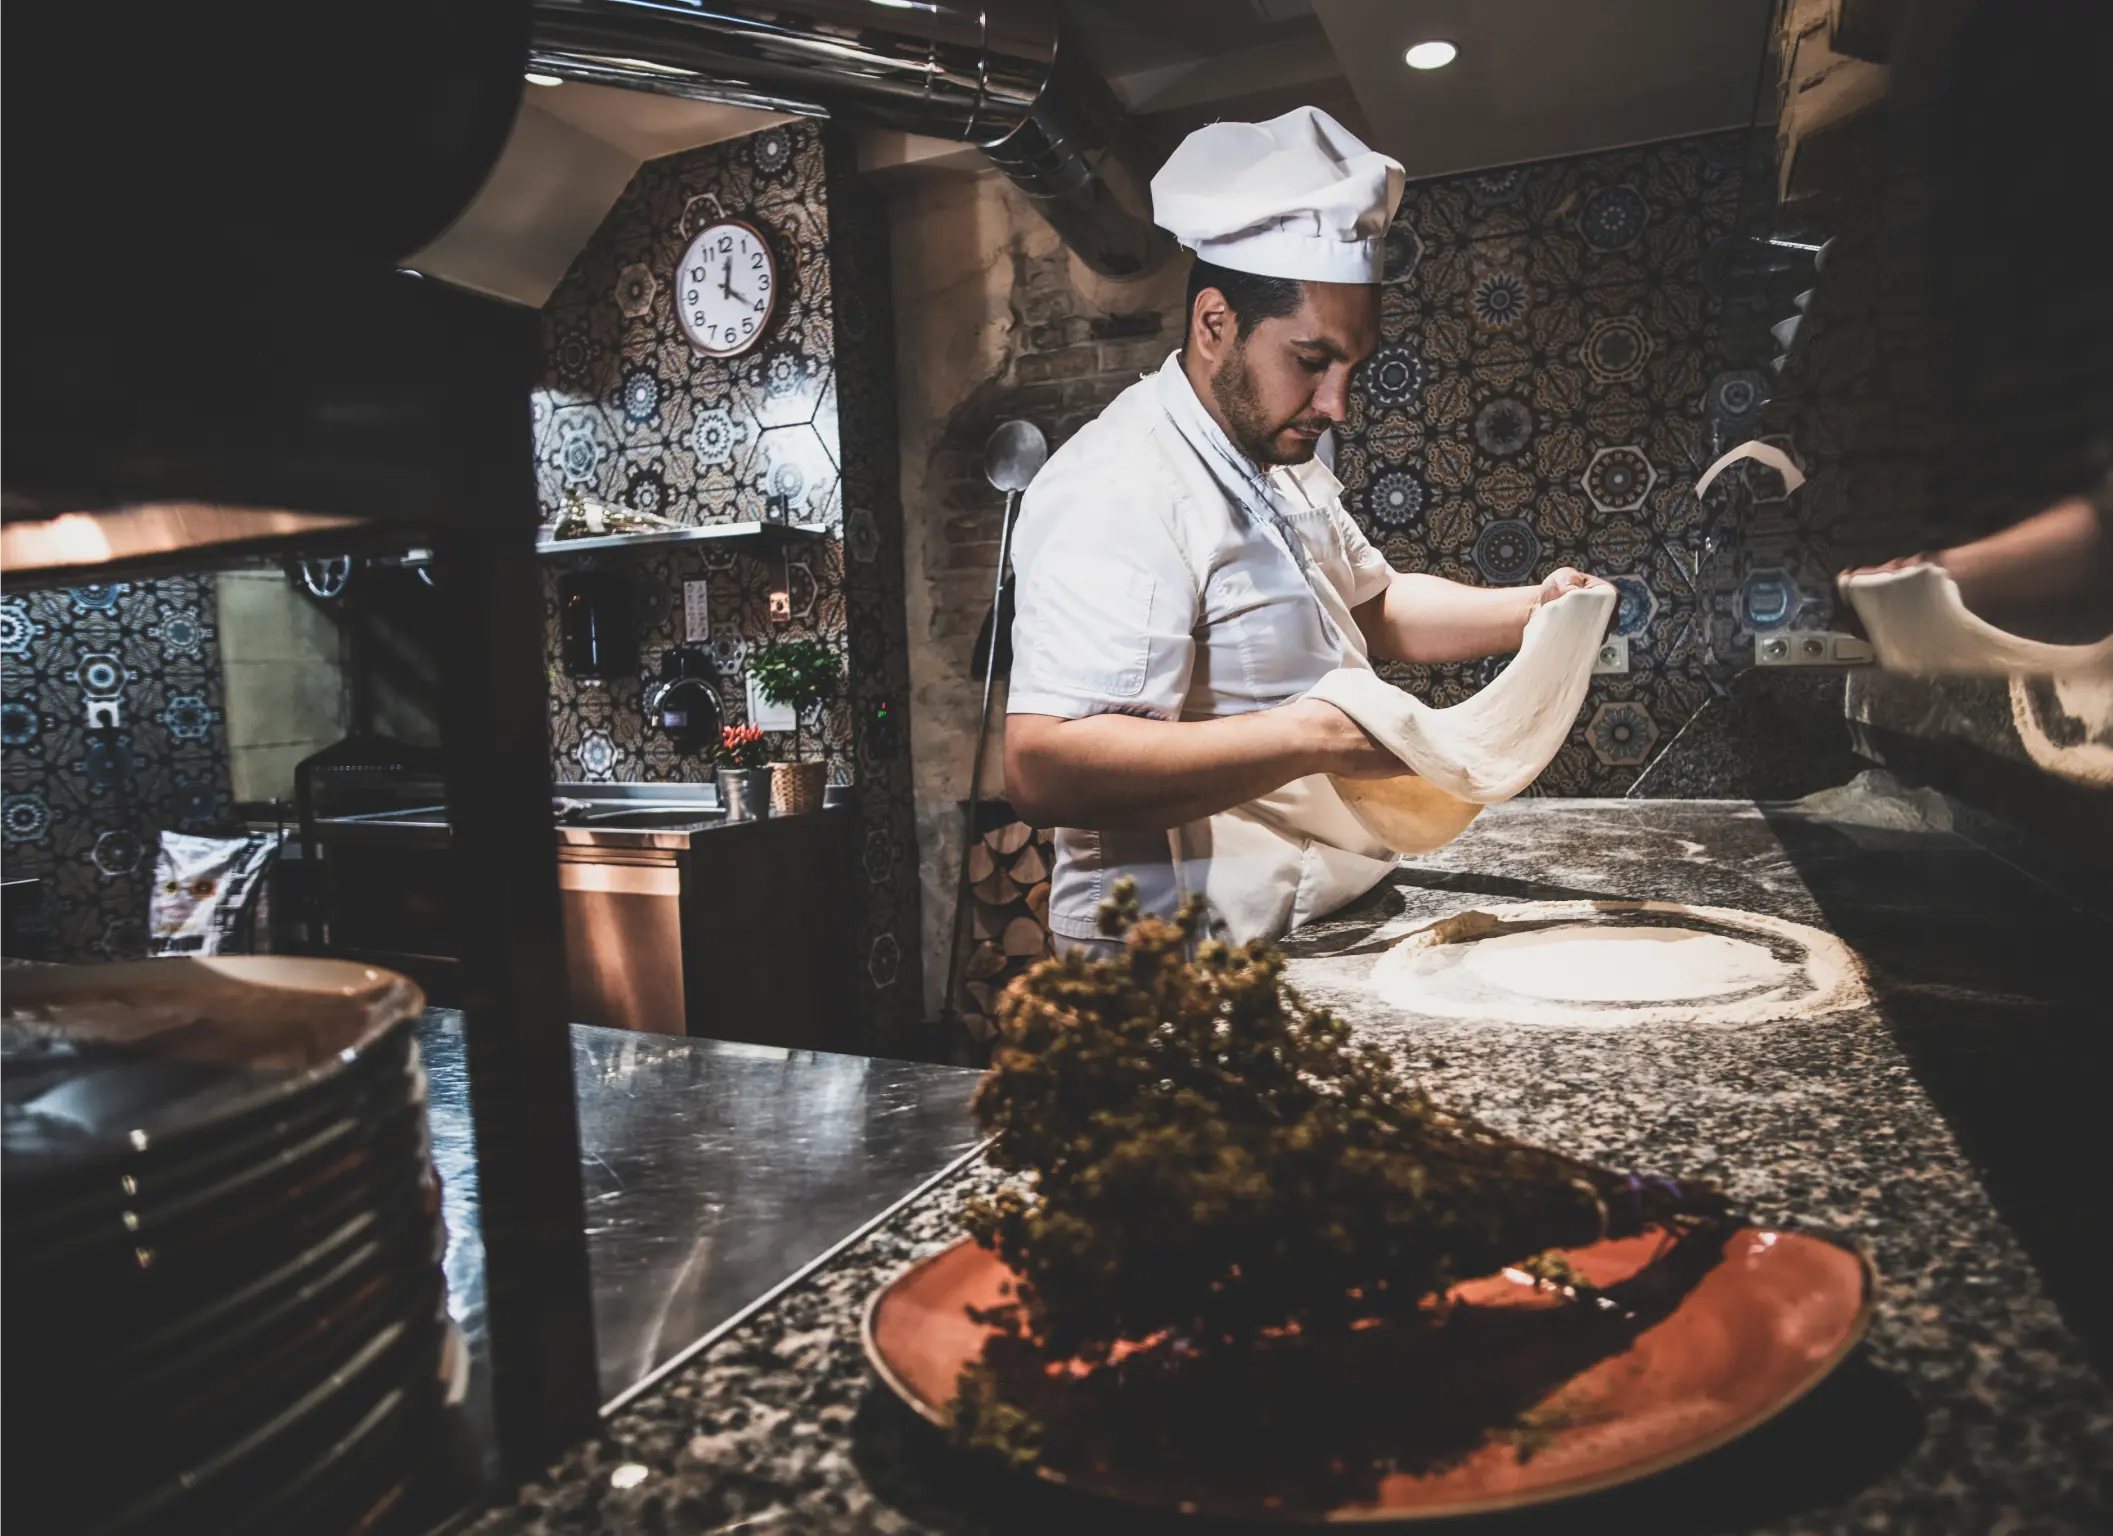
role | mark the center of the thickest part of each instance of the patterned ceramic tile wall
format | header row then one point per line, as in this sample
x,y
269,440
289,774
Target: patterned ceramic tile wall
x,y
1546,393
801,430
111,731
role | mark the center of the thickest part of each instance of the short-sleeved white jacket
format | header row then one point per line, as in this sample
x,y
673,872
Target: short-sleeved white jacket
x,y
1150,583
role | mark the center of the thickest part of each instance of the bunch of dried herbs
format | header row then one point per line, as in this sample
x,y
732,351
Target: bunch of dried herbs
x,y
1212,1165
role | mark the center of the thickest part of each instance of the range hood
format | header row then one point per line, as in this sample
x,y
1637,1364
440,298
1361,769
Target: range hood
x,y
1001,76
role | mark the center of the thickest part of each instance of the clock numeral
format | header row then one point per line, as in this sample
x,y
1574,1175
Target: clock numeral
x,y
748,327
755,260
693,296
726,245
760,306
696,274
763,282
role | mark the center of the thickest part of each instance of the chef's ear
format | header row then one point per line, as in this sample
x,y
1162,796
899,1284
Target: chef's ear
x,y
1213,325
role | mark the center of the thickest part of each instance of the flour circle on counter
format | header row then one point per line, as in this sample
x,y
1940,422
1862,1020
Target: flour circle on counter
x,y
1616,964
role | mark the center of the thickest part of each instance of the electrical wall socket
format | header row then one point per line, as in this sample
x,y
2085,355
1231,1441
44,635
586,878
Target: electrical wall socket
x,y
1810,648
696,610
1613,655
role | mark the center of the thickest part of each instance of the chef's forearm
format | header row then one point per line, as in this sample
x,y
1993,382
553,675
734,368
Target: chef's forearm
x,y
2063,552
1427,618
1120,772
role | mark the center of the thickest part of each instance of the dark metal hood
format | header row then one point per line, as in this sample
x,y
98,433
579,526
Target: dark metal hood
x,y
1000,75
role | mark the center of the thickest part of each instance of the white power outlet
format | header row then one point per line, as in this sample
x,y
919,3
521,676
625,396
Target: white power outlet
x,y
1613,655
1809,648
696,610
766,715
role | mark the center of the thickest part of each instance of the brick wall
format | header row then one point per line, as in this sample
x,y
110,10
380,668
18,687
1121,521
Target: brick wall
x,y
1063,368
995,321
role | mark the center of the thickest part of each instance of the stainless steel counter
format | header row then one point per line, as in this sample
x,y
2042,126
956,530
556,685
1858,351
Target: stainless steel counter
x,y
628,816
715,1173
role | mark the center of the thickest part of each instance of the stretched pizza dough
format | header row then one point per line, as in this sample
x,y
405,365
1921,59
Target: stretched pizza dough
x,y
1917,623
2085,703
1408,814
1478,752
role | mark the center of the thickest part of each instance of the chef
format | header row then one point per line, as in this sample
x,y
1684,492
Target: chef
x,y
1186,570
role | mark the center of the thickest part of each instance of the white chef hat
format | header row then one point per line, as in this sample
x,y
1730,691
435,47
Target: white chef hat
x,y
1297,196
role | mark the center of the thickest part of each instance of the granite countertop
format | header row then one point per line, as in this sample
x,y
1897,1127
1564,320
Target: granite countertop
x,y
1945,1130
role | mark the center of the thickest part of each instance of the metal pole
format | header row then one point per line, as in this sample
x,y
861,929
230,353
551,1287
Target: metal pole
x,y
975,773
516,1034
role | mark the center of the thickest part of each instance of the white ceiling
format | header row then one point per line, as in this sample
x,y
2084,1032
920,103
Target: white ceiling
x,y
1540,79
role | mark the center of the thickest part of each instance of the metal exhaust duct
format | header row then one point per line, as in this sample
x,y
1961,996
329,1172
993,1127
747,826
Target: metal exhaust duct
x,y
999,75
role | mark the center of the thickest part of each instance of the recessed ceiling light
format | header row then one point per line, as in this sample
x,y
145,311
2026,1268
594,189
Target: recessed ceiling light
x,y
544,79
1435,54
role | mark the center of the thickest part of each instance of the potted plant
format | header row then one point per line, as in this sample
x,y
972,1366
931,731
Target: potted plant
x,y
800,675
744,778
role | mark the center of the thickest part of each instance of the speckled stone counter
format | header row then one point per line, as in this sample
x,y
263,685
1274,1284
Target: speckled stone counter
x,y
1945,1130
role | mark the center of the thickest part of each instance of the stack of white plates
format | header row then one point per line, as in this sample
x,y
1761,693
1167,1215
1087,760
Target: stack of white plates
x,y
220,1242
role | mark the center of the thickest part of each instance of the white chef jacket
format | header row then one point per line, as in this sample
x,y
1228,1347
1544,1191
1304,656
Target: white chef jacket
x,y
1159,573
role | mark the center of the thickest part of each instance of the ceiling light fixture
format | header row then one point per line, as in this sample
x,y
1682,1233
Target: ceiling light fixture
x,y
1435,54
544,79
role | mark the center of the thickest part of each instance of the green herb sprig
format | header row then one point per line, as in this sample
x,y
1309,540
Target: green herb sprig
x,y
1210,1158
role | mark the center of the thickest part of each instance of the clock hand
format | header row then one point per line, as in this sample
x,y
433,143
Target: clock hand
x,y
726,280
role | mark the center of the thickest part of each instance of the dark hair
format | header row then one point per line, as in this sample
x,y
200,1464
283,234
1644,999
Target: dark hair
x,y
1251,298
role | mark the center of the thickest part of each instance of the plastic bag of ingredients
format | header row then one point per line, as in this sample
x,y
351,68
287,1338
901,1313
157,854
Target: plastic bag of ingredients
x,y
208,894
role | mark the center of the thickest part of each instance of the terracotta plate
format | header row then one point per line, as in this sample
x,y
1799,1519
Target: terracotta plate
x,y
1763,1323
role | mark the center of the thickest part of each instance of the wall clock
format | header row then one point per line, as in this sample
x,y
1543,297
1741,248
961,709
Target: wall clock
x,y
726,288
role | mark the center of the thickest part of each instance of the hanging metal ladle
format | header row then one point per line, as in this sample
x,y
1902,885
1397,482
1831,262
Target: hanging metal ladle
x,y
1011,459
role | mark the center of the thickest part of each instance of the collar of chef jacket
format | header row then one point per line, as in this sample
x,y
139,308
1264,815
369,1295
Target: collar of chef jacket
x,y
1261,494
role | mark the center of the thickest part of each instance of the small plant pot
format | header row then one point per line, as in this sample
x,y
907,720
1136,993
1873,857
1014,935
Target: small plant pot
x,y
745,793
797,787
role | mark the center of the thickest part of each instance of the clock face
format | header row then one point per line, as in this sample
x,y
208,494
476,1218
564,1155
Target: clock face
x,y
726,289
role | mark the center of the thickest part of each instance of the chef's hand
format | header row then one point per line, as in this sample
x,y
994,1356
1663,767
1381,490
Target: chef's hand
x,y
1339,745
1566,579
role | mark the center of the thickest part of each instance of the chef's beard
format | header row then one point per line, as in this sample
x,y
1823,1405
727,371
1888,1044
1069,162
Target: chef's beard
x,y
1233,388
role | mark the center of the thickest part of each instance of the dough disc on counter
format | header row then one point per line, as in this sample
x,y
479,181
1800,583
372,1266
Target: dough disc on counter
x,y
1613,964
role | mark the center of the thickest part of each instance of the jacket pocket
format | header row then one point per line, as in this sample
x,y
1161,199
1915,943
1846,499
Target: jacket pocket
x,y
1093,633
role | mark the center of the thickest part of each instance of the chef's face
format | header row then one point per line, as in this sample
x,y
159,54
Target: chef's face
x,y
1287,380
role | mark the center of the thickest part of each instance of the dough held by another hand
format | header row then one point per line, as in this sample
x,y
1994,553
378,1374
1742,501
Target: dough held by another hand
x,y
1918,623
